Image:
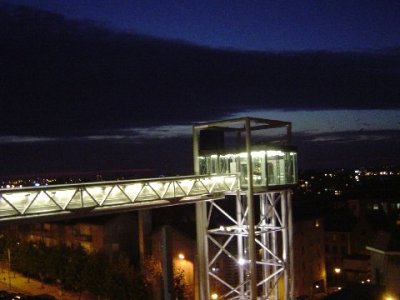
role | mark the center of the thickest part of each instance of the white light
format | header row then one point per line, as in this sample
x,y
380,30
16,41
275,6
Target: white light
x,y
271,153
258,154
214,296
227,155
317,286
181,256
241,261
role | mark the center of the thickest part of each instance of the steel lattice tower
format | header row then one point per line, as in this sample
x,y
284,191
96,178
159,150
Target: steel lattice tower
x,y
244,241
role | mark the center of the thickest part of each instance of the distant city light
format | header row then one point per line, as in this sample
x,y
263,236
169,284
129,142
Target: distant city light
x,y
337,270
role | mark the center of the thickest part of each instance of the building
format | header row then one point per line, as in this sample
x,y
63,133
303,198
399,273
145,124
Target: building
x,y
174,256
385,261
113,235
308,251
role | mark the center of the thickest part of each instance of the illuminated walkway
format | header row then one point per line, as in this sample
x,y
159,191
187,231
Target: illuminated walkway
x,y
111,196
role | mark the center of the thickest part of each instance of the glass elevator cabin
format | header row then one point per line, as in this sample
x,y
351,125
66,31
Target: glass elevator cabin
x,y
274,162
255,237
272,165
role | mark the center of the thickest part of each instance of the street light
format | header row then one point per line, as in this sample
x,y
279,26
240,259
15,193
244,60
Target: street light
x,y
337,272
214,296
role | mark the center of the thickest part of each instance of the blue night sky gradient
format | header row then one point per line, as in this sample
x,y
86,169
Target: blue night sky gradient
x,y
264,25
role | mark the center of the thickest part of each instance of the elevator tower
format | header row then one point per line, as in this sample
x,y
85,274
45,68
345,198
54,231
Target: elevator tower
x,y
244,241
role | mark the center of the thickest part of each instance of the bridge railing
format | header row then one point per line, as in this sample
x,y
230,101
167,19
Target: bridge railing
x,y
69,198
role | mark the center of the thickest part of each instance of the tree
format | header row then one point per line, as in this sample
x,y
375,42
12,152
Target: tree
x,y
94,274
181,288
72,278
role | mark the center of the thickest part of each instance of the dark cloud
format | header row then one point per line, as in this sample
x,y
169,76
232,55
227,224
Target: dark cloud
x,y
348,149
67,77
80,156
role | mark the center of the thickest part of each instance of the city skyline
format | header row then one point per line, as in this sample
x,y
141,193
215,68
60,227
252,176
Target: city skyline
x,y
81,97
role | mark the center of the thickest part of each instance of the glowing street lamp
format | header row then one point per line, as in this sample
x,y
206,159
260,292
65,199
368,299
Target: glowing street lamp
x,y
214,296
337,275
389,297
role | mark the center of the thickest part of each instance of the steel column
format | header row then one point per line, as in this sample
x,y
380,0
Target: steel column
x,y
239,218
285,245
250,216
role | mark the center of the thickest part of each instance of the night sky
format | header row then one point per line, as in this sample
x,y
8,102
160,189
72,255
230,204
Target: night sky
x,y
115,85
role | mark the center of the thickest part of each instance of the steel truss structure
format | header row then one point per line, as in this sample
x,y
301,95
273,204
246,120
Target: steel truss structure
x,y
111,196
228,259
247,255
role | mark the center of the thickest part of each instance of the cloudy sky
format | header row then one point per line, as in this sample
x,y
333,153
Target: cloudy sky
x,y
116,85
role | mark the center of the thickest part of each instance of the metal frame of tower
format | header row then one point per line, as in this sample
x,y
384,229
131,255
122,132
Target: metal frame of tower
x,y
261,239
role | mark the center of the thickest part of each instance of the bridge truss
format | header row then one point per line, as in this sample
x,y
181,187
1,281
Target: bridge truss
x,y
111,196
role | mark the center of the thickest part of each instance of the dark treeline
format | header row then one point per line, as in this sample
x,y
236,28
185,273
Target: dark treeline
x,y
75,270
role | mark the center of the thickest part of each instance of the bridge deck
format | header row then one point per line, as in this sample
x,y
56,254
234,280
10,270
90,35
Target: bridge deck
x,y
58,200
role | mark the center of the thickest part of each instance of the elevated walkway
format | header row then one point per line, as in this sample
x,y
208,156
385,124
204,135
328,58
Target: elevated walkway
x,y
111,196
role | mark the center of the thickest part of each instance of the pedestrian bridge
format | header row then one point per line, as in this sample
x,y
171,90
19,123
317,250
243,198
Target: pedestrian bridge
x,y
253,236
111,196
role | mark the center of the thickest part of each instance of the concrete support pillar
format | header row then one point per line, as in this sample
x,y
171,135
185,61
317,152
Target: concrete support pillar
x,y
167,264
145,228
